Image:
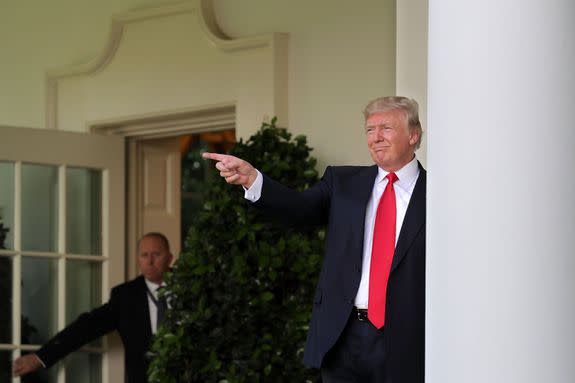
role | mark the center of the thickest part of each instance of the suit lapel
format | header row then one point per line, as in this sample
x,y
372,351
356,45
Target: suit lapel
x,y
414,219
363,183
144,316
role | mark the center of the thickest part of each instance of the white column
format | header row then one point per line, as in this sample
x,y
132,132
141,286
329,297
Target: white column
x,y
411,59
501,192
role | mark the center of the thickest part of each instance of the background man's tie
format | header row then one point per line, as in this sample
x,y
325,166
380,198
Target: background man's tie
x,y
382,253
162,308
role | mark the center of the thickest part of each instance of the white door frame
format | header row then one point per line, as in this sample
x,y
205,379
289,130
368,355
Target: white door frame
x,y
156,126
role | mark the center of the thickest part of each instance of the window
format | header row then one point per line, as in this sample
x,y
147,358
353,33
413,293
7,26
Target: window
x,y
51,262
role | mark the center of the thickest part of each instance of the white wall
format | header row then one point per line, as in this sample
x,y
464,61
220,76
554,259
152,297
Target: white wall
x,y
341,56
36,36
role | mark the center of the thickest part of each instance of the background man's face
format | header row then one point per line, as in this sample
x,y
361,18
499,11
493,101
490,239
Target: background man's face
x,y
153,259
390,141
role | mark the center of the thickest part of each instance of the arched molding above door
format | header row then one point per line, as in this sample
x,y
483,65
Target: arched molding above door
x,y
172,59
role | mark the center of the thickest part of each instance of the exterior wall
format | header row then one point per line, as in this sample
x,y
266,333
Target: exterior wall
x,y
36,36
167,61
340,56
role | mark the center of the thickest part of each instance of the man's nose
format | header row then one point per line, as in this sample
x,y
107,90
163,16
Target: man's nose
x,y
379,133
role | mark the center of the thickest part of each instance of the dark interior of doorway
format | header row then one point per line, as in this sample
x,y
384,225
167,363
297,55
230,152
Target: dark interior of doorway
x,y
196,172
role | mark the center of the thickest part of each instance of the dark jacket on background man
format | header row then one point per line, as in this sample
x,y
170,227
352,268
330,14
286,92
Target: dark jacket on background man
x,y
127,312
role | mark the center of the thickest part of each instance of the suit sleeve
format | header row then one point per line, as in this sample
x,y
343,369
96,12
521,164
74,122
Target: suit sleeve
x,y
310,207
86,328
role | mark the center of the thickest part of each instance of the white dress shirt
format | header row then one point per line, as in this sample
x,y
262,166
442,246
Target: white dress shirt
x,y
255,191
152,308
407,176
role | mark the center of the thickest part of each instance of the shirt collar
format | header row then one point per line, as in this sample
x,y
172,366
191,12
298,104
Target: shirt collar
x,y
405,176
153,287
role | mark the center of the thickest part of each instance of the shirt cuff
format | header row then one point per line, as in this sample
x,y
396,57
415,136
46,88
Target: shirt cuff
x,y
255,191
40,360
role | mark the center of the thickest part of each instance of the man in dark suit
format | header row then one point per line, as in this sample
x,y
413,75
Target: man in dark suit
x,y
368,319
134,310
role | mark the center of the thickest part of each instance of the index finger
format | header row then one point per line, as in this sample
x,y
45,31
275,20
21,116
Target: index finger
x,y
214,156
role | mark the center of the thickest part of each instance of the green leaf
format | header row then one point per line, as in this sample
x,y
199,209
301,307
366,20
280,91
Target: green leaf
x,y
267,296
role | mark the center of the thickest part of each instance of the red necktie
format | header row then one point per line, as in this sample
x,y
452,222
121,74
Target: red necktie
x,y
382,253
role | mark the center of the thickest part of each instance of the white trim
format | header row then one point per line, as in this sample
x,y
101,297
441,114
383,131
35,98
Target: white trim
x,y
61,247
61,289
105,272
17,266
76,257
170,123
40,254
208,23
17,260
118,24
86,258
206,20
155,126
133,214
105,235
8,347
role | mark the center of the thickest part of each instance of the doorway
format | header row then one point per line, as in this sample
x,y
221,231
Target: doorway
x,y
166,182
159,146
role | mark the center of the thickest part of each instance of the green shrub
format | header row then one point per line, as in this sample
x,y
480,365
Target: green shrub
x,y
241,291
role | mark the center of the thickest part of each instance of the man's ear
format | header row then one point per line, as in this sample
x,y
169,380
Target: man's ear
x,y
414,136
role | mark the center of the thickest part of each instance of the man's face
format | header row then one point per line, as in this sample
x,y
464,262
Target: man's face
x,y
153,259
390,141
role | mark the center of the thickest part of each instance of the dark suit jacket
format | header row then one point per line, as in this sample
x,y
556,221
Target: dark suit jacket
x,y
127,312
339,200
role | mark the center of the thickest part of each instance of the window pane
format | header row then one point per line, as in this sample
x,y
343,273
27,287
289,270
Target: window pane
x,y
5,366
39,299
42,375
83,289
6,205
39,207
84,367
83,211
5,300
